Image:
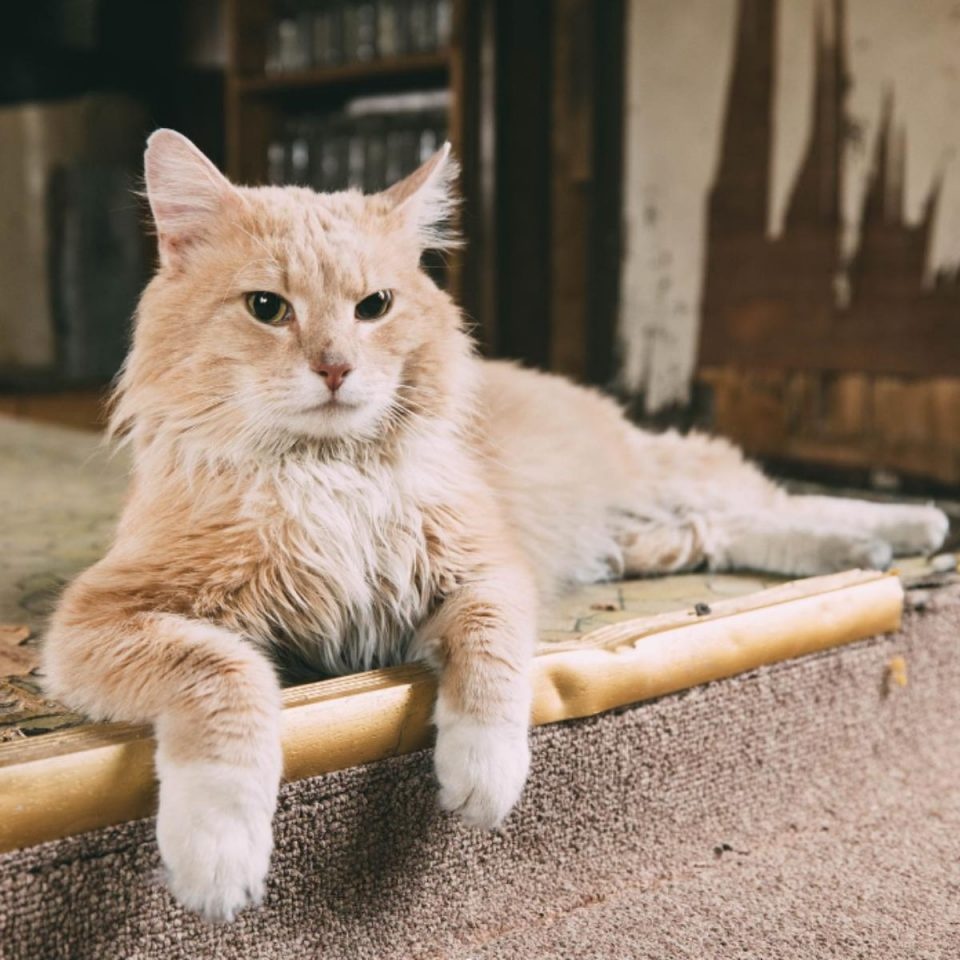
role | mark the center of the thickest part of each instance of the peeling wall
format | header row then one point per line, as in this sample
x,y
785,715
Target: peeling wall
x,y
679,62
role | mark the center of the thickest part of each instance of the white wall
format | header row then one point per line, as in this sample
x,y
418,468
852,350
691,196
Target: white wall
x,y
678,61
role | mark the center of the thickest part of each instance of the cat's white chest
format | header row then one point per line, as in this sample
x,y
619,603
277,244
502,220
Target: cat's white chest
x,y
355,557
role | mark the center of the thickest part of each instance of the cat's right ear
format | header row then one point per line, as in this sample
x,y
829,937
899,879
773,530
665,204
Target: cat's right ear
x,y
427,199
187,193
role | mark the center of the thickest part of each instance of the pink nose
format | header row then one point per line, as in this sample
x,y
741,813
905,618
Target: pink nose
x,y
333,373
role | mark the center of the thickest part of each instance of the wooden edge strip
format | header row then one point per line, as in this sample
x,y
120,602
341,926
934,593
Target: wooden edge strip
x,y
111,779
630,630
580,683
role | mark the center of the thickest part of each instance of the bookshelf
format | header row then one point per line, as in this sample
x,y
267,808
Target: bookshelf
x,y
260,102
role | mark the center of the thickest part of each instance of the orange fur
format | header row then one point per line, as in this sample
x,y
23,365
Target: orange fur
x,y
420,512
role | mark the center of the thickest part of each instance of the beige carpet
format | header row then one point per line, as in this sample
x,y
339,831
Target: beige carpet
x,y
808,810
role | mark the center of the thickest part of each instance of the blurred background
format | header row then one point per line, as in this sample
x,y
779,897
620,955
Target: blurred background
x,y
742,215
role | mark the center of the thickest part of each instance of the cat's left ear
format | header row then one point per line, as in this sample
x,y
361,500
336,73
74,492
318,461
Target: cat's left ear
x,y
427,200
187,193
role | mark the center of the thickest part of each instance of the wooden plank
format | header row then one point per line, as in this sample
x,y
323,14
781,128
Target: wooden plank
x,y
252,123
605,248
784,335
908,425
473,82
523,156
456,59
247,29
572,175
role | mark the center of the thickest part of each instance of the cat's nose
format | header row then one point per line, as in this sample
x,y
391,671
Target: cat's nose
x,y
333,373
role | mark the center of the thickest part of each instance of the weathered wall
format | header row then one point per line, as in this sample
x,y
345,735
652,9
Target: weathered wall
x,y
902,61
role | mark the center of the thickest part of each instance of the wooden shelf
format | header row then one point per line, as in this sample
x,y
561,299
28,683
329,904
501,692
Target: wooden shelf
x,y
422,64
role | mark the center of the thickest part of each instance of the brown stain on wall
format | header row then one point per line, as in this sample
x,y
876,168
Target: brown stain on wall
x,y
810,355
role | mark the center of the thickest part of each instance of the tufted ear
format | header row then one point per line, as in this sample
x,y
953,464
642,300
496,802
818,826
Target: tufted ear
x,y
187,193
427,199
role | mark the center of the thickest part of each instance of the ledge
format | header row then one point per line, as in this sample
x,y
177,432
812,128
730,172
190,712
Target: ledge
x,y
97,775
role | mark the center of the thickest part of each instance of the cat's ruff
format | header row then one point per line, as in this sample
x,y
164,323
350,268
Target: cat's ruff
x,y
421,516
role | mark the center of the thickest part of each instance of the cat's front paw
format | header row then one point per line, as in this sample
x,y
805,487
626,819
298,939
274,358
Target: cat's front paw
x,y
214,830
481,767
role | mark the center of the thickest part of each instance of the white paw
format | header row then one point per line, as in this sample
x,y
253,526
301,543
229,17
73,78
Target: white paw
x,y
867,554
215,835
481,767
917,529
832,552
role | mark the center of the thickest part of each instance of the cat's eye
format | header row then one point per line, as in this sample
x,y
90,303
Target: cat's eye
x,y
268,307
374,306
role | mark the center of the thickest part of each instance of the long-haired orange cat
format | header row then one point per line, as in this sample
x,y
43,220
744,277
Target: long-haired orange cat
x,y
326,474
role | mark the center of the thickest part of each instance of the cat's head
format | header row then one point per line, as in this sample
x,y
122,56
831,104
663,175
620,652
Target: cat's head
x,y
278,314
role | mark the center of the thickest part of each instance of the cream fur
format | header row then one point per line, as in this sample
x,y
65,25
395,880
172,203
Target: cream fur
x,y
421,514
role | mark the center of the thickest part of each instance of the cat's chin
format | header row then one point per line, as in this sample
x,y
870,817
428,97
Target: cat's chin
x,y
332,407
339,419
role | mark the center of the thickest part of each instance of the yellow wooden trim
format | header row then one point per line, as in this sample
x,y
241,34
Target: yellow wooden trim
x,y
90,777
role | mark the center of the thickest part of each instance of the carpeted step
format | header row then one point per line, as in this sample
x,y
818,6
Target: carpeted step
x,y
799,810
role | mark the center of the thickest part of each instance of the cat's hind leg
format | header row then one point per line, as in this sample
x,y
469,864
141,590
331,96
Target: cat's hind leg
x,y
776,541
698,502
695,500
908,528
661,542
796,536
764,540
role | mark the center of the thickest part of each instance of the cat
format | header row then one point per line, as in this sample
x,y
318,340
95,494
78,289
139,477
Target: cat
x,y
326,472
